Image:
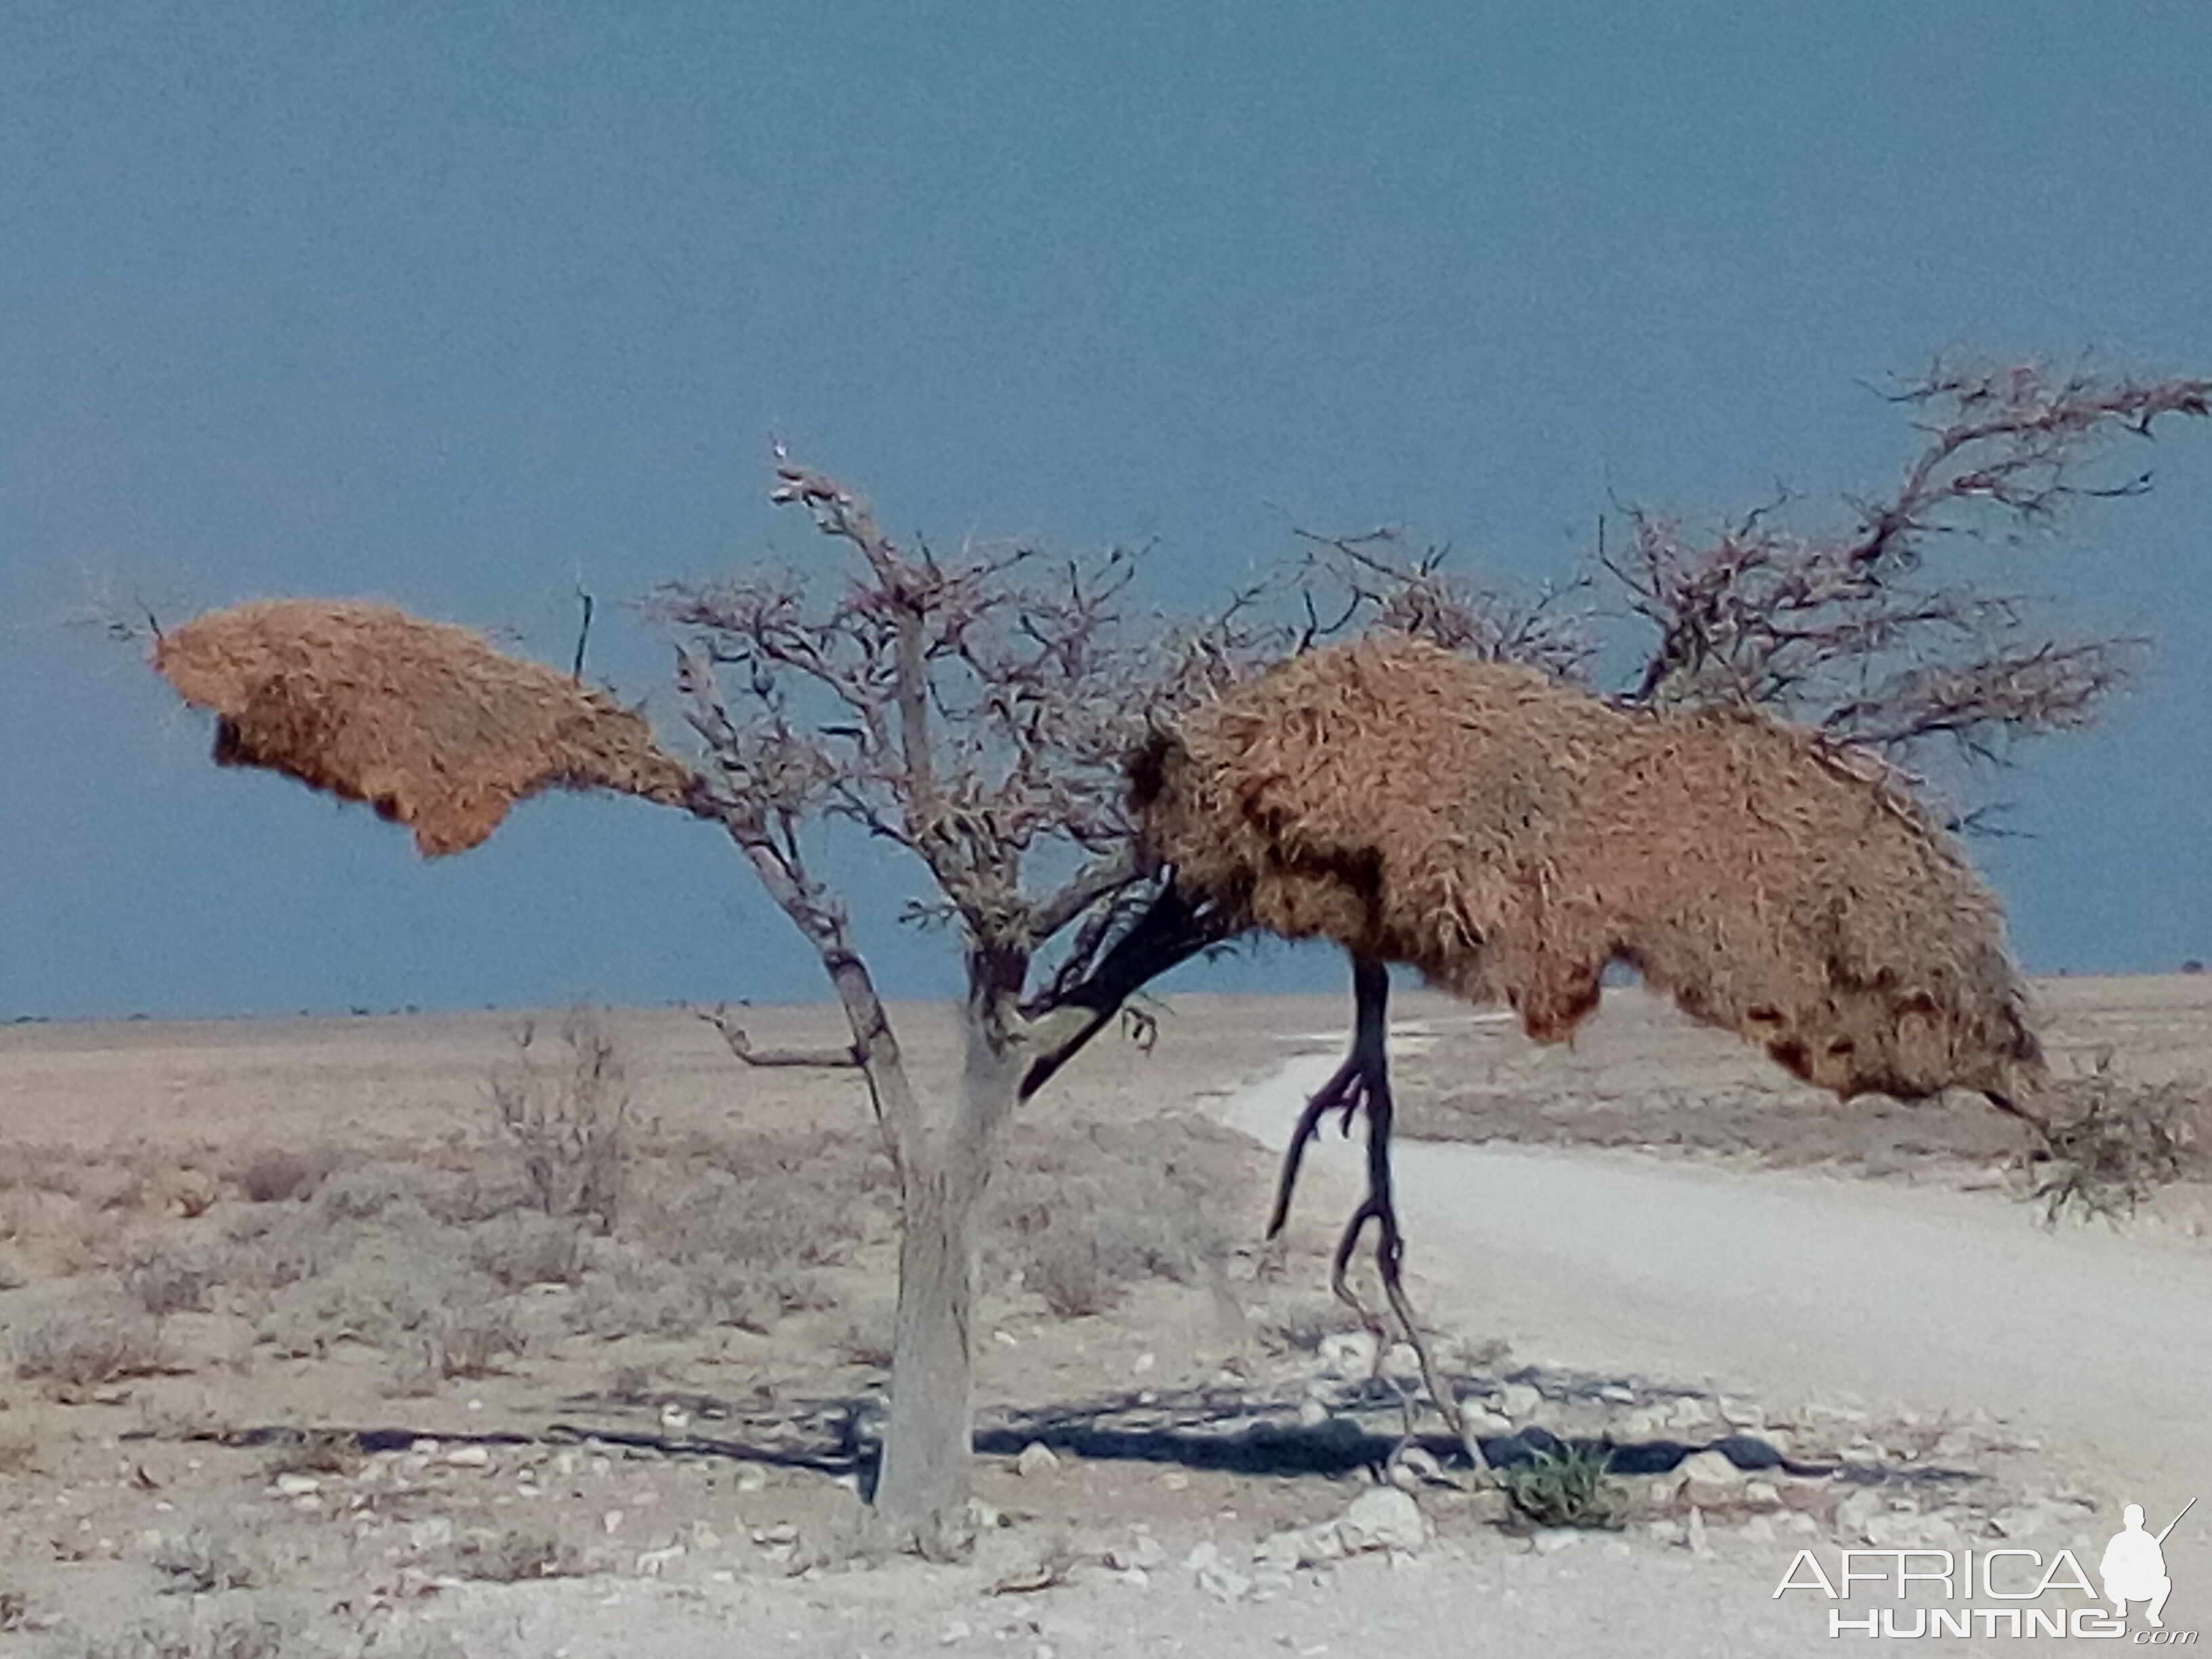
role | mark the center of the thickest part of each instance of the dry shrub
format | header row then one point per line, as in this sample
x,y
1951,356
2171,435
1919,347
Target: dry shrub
x,y
199,1562
225,1636
514,1556
276,1174
78,1349
163,1278
1511,837
526,1250
312,1451
570,1119
426,722
1082,1214
462,1343
2113,1141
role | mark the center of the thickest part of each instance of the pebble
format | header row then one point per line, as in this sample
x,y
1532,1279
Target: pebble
x,y
298,1485
1520,1399
1035,1460
469,1457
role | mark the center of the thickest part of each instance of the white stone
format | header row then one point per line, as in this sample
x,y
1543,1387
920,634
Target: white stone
x,y
1709,1480
1383,1518
1036,1459
1520,1399
1348,1354
298,1485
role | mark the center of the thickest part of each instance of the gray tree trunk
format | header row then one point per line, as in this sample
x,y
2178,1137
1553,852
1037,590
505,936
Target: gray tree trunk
x,y
922,1488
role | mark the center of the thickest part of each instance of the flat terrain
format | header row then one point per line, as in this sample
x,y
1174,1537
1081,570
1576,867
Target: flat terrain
x,y
384,1335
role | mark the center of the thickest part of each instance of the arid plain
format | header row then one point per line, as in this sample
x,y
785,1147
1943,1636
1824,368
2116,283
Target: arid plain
x,y
378,1335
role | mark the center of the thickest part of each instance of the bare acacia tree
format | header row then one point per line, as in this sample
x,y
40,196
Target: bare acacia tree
x,y
1850,630
973,712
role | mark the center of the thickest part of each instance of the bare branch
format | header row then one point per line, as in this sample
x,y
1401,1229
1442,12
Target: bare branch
x,y
846,1059
1843,631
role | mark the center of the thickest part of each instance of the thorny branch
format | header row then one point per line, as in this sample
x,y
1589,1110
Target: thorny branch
x,y
1843,630
1384,588
974,710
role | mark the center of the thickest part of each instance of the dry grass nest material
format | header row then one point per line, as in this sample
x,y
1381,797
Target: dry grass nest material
x,y
1509,837
424,721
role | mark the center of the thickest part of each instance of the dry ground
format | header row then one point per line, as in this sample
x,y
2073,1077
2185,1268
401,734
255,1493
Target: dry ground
x,y
298,1361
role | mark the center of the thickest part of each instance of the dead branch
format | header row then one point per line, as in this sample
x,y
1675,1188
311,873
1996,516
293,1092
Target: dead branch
x,y
1843,630
846,1059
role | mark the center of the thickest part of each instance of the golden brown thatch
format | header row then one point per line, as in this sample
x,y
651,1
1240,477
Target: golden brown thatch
x,y
424,721
1509,837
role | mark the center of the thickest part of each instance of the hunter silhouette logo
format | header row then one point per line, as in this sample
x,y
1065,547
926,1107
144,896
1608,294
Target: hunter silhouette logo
x,y
2134,1565
2002,1591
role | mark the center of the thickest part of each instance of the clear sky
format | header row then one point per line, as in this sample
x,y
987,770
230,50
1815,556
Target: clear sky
x,y
451,304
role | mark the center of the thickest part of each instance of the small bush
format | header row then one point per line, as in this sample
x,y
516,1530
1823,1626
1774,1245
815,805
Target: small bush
x,y
1568,1487
2113,1141
78,1349
312,1451
199,1562
465,1342
164,1280
277,1175
526,1250
512,1557
569,1121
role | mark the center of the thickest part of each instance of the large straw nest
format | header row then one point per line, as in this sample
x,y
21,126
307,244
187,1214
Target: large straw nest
x,y
426,722
1509,837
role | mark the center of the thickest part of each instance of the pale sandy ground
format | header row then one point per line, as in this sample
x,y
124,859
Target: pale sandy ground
x,y
2093,1347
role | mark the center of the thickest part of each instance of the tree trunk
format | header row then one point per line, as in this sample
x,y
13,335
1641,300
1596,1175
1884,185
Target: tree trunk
x,y
922,1484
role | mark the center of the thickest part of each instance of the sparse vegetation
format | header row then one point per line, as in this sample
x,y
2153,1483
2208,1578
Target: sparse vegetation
x,y
1566,1488
277,1175
164,1277
570,1119
2114,1141
513,1556
79,1349
199,1562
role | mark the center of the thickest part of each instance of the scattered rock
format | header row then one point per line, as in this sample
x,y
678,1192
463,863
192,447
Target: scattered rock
x,y
1036,1459
1348,1354
1483,1423
469,1457
1708,1480
1693,1533
1383,1519
1552,1540
298,1485
1414,1467
1142,1553
1520,1399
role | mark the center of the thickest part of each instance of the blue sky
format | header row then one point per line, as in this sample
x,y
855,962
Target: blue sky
x,y
449,305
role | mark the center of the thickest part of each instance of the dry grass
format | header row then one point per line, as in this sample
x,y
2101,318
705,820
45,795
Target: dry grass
x,y
199,1562
77,1350
277,1175
1079,1218
1510,838
426,722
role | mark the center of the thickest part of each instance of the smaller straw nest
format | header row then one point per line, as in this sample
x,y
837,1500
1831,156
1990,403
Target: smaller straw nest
x,y
1509,837
426,722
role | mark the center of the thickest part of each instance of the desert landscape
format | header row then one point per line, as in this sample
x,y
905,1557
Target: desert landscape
x,y
402,1335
